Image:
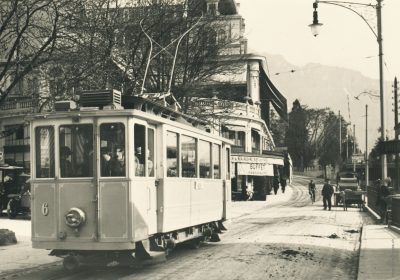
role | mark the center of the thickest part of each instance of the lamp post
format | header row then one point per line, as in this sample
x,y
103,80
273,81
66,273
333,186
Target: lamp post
x,y
315,26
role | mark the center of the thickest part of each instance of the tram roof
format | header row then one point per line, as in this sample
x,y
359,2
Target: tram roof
x,y
138,107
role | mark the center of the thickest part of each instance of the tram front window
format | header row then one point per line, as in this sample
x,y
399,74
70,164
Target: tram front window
x,y
44,137
76,150
112,150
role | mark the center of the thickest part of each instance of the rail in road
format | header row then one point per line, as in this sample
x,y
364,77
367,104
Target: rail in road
x,y
293,239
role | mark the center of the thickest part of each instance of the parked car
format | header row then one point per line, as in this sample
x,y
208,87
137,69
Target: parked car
x,y
347,181
14,191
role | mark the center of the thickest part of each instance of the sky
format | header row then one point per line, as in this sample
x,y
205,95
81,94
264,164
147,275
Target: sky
x,y
345,40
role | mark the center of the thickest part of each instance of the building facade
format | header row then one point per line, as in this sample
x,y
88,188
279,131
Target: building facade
x,y
239,100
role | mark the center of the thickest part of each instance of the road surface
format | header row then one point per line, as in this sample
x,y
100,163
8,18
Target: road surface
x,y
290,240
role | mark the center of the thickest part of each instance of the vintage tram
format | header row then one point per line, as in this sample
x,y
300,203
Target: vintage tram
x,y
111,183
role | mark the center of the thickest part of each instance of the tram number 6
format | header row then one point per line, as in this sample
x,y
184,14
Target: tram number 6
x,y
45,209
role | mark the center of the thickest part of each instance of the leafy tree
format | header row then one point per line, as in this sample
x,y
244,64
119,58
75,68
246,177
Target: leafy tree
x,y
278,128
313,134
297,135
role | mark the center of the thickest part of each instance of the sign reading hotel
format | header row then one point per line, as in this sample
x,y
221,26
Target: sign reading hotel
x,y
264,160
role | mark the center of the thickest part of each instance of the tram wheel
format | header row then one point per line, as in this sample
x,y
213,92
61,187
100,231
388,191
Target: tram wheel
x,y
195,243
71,264
12,209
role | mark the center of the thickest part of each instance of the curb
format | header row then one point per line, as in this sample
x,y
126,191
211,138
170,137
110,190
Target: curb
x,y
373,213
394,228
359,249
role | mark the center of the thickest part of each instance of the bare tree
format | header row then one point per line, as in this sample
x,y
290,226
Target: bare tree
x,y
29,30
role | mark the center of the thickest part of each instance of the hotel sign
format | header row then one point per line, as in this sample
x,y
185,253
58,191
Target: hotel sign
x,y
255,159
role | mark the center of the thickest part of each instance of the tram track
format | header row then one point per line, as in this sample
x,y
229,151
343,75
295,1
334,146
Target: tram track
x,y
252,241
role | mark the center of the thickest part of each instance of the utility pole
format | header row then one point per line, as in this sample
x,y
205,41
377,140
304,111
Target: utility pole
x,y
396,121
366,149
354,148
340,136
381,86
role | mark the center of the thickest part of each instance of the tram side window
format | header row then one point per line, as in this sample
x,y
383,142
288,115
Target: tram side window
x,y
76,150
172,154
150,152
188,156
140,150
44,137
205,159
216,151
112,150
228,164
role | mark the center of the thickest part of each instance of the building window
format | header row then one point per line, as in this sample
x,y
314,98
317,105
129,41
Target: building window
x,y
237,137
255,141
16,135
212,9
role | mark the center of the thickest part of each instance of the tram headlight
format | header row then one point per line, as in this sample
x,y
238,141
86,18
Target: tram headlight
x,y
75,217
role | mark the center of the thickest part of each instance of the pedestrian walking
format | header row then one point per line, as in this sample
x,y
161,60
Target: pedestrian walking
x,y
383,193
311,190
276,184
327,192
283,184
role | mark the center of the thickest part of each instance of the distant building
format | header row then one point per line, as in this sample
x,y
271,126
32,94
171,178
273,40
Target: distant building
x,y
237,103
238,100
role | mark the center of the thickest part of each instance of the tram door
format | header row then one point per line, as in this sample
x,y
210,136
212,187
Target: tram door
x,y
113,182
143,190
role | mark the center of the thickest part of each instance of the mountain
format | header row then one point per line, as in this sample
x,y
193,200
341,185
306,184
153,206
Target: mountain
x,y
320,86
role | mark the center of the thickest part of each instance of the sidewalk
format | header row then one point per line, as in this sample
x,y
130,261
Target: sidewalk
x,y
379,253
22,256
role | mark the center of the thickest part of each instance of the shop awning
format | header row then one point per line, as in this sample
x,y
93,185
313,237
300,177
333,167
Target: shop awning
x,y
269,93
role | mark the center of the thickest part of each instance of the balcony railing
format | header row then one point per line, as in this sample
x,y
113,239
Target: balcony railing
x,y
229,108
18,105
237,149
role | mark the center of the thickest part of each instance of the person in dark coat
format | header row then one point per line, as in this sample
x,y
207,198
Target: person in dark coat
x,y
283,184
327,192
383,193
276,184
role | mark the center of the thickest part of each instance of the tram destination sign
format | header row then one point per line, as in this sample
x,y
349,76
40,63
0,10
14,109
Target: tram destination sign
x,y
389,147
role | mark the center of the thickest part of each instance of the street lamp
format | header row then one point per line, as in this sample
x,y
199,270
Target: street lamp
x,y
315,26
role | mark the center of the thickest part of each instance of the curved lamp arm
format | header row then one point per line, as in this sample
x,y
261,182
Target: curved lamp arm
x,y
342,4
